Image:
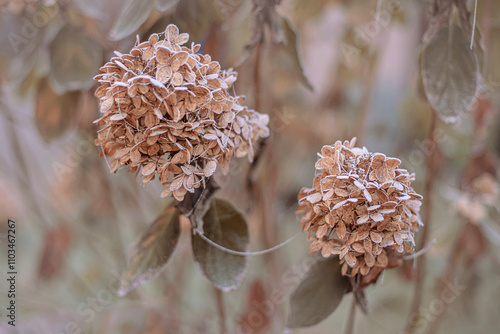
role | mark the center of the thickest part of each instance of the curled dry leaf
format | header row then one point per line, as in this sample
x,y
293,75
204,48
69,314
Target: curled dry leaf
x,y
318,295
291,47
152,251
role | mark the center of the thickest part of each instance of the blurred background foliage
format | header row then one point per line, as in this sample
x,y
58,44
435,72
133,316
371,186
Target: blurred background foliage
x,y
323,70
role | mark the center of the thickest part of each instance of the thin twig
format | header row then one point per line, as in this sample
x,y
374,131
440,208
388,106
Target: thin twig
x,y
352,316
256,76
473,25
220,309
233,252
427,204
420,252
450,269
262,143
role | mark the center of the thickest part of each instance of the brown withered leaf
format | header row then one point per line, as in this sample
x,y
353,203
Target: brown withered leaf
x,y
226,226
56,244
318,295
74,59
152,252
472,242
291,47
257,303
54,113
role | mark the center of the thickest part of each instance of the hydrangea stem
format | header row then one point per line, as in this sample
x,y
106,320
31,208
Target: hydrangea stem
x,y
352,316
220,310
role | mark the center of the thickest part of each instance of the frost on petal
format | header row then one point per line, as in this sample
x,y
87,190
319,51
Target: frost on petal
x,y
368,205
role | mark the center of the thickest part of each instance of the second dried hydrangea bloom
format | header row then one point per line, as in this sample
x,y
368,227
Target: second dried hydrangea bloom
x,y
167,109
361,207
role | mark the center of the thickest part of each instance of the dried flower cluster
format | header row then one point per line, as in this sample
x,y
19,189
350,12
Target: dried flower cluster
x,y
482,192
167,109
361,206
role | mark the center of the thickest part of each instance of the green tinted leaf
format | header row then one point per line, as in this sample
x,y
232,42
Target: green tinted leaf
x,y
449,73
74,59
226,226
195,203
195,17
291,48
151,253
164,5
54,113
134,13
95,9
318,295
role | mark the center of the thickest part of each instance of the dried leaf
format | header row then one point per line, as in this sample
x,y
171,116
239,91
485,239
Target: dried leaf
x,y
193,203
318,295
151,253
290,45
257,300
54,113
226,226
134,13
55,248
450,73
74,59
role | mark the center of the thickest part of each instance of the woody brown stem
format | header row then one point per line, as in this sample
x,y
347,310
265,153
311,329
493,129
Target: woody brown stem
x,y
256,76
427,203
450,269
220,310
262,143
352,316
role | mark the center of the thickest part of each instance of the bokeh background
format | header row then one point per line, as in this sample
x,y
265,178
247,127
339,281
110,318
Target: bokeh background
x,y
324,70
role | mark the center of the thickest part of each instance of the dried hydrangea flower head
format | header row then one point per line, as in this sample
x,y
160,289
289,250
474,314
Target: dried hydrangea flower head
x,y
361,207
167,110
